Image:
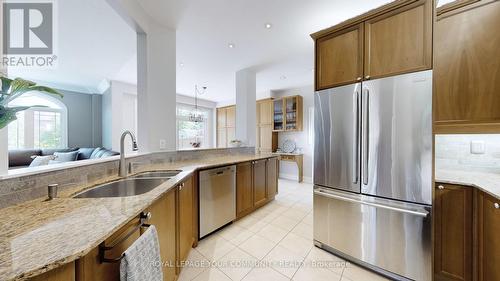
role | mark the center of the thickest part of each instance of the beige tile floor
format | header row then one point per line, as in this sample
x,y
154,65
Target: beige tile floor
x,y
274,243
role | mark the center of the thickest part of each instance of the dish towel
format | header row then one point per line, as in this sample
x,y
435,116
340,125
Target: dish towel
x,y
142,261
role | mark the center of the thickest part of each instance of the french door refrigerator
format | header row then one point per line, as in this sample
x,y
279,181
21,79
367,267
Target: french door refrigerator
x,y
373,174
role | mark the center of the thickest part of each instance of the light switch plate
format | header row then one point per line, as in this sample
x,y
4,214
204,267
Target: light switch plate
x,y
477,147
163,144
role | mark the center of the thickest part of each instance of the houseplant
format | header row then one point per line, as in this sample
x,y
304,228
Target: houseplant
x,y
13,89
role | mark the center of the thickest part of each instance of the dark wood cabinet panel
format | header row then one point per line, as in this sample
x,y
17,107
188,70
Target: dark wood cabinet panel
x,y
467,69
244,189
488,222
272,177
399,41
259,183
453,232
339,58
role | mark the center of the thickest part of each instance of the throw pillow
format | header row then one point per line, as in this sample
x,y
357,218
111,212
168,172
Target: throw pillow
x,y
41,160
66,156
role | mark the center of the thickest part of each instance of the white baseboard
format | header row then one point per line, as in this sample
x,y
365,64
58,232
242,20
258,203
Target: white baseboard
x,y
294,177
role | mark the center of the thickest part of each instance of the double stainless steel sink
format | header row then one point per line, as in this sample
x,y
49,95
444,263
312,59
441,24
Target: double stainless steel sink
x,y
131,186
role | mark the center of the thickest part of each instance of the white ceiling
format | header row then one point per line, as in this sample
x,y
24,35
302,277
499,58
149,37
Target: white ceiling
x,y
206,27
96,44
93,44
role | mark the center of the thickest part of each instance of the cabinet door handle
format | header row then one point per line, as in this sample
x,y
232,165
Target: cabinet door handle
x,y
358,79
367,77
440,187
496,205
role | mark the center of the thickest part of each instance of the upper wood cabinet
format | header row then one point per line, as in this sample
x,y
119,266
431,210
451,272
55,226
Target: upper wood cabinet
x,y
488,223
393,39
467,69
399,41
288,114
453,232
339,58
226,123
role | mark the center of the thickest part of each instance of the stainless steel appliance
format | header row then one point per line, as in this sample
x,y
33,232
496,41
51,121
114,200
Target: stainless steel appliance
x,y
372,174
217,198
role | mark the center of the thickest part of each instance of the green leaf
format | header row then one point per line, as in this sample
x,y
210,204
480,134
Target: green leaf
x,y
6,82
45,90
7,116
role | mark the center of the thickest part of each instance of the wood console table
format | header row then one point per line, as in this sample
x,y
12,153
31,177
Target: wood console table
x,y
294,157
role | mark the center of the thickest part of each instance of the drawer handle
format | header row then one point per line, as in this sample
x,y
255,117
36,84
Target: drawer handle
x,y
440,187
496,205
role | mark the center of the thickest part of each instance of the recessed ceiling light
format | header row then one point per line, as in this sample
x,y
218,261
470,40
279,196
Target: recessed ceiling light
x,y
181,64
230,45
268,25
283,77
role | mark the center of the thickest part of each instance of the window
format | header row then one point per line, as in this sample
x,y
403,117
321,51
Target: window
x,y
192,134
42,126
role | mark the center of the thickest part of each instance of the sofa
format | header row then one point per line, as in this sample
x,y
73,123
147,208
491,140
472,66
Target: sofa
x,y
22,158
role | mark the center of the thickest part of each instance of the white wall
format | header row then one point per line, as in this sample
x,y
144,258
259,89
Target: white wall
x,y
245,106
303,139
454,152
156,81
119,113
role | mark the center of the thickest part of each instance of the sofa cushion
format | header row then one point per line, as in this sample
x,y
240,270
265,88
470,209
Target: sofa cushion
x,y
108,153
66,156
85,153
22,157
41,160
51,151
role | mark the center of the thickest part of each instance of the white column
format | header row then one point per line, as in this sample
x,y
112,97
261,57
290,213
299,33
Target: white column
x,y
245,106
156,89
4,141
4,151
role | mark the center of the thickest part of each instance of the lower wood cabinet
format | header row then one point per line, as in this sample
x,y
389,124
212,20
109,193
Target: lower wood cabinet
x,y
453,232
244,189
488,237
186,219
259,183
172,215
272,177
62,273
466,234
256,185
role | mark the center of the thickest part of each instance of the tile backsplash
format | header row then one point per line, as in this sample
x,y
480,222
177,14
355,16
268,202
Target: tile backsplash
x,y
471,152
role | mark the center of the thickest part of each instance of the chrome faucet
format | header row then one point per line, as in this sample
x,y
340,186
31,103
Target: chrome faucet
x,y
122,170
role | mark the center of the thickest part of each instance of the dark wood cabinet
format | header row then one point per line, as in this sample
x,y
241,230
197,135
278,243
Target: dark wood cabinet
x,y
393,39
186,219
453,232
272,177
488,237
467,69
259,183
244,189
399,41
339,58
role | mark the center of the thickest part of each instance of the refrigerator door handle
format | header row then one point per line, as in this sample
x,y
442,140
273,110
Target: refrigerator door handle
x,y
355,148
422,213
365,135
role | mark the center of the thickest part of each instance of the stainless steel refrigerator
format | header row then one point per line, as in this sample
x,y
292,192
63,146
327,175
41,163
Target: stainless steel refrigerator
x,y
373,174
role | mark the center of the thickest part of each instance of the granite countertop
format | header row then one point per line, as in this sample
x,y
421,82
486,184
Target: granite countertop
x,y
37,236
485,181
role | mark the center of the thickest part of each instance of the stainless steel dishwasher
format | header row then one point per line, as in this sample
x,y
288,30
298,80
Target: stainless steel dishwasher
x,y
217,198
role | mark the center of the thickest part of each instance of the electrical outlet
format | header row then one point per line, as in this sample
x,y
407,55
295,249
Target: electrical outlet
x,y
477,147
163,144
